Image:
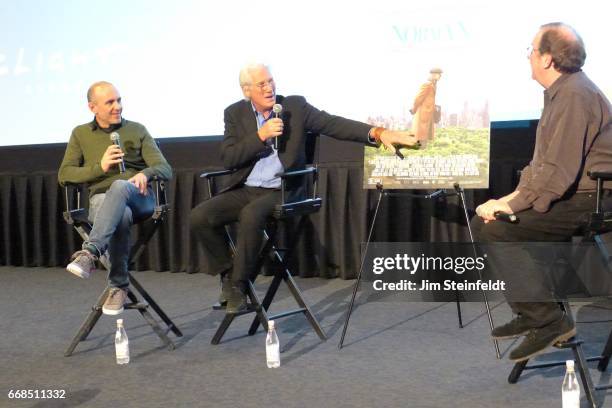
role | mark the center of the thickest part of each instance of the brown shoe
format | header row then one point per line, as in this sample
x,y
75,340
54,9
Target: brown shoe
x,y
82,264
113,305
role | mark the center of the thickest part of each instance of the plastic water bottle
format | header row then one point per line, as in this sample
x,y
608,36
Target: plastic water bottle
x,y
570,390
272,347
122,344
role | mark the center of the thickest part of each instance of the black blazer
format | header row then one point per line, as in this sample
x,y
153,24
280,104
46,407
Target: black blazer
x,y
241,145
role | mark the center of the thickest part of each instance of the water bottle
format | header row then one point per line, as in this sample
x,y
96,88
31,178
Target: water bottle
x,y
122,345
570,390
272,347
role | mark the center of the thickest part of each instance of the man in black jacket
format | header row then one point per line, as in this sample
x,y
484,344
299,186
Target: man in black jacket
x,y
249,147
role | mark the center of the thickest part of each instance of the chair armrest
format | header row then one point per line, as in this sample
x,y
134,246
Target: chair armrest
x,y
307,170
603,175
213,174
299,208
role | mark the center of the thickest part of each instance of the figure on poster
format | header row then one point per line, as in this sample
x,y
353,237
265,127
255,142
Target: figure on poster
x,y
426,112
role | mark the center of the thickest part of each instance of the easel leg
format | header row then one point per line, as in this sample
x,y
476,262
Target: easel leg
x,y
381,192
461,193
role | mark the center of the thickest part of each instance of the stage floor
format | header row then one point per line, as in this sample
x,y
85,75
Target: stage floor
x,y
396,354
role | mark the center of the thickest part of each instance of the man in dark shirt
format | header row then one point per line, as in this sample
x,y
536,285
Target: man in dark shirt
x,y
249,147
574,135
118,199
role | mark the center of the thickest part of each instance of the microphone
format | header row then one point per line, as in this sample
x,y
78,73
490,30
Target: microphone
x,y
502,216
277,109
114,137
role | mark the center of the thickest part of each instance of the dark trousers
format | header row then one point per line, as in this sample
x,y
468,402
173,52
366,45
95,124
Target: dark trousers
x,y
250,207
564,219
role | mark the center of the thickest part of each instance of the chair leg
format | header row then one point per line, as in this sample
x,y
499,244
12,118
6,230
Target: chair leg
x,y
88,324
583,369
300,300
260,311
516,372
605,355
256,306
270,293
162,315
156,328
227,320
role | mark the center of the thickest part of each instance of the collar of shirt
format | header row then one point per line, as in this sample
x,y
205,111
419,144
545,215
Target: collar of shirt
x,y
558,84
95,126
261,119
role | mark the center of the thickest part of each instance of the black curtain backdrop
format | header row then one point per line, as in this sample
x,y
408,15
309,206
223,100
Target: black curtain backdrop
x,y
35,234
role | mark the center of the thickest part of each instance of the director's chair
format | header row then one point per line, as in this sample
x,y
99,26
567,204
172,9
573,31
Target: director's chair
x,y
77,216
283,212
599,222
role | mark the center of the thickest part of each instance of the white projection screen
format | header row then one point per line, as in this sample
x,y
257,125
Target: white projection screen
x,y
176,63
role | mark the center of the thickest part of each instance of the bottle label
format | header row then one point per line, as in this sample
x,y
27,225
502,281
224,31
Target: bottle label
x,y
571,399
122,350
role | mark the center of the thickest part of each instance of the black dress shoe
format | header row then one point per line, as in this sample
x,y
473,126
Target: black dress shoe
x,y
237,298
225,291
538,340
220,305
514,328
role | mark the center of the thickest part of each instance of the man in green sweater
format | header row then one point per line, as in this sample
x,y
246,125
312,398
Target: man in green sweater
x,y
117,177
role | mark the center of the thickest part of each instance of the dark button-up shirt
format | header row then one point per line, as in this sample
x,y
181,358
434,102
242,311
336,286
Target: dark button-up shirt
x,y
574,135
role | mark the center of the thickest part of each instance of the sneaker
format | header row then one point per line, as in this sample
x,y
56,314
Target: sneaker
x,y
82,264
514,328
538,340
113,305
237,299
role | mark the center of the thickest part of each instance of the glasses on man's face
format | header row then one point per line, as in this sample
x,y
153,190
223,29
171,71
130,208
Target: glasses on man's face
x,y
263,84
530,51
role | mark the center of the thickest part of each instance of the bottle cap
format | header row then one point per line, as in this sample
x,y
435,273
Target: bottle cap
x,y
569,364
270,324
120,323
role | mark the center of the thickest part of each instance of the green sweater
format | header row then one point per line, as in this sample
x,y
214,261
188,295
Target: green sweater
x,y
81,163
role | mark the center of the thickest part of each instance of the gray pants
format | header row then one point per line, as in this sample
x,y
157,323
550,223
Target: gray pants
x,y
113,214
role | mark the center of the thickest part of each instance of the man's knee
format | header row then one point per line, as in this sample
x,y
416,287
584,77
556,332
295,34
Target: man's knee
x,y
121,187
202,216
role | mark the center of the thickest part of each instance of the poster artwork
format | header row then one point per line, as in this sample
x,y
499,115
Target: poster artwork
x,y
454,142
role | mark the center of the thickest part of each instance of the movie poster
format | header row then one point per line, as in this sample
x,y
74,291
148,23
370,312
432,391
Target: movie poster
x,y
454,140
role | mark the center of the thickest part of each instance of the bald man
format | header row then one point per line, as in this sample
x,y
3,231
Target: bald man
x,y
555,193
118,198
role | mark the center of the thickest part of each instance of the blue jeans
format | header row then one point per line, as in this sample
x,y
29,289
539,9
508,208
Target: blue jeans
x,y
113,214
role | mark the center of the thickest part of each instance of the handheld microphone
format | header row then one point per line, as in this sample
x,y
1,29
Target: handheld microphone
x,y
114,137
277,109
502,216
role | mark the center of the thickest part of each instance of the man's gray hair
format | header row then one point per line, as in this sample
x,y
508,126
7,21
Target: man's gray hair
x,y
245,78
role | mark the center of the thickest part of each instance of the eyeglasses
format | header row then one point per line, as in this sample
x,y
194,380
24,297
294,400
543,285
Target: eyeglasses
x,y
262,85
530,51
